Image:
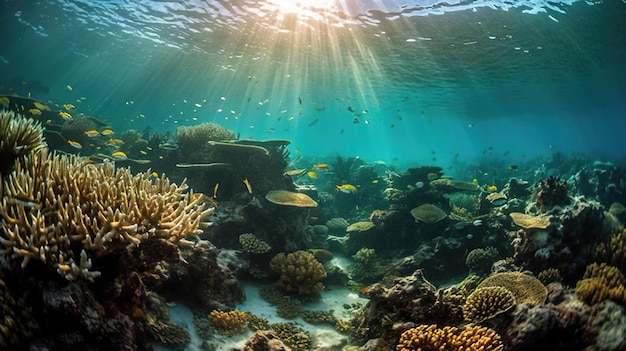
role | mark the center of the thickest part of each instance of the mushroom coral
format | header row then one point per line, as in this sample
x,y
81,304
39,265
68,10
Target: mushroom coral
x,y
64,211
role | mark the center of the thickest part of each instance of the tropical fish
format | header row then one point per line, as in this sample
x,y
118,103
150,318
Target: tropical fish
x,y
295,172
217,185
321,166
313,122
168,146
248,186
75,144
119,155
115,142
107,132
433,176
69,87
69,107
299,100
154,174
312,174
40,106
492,188
24,202
35,112
92,133
375,181
477,222
512,167
346,188
65,115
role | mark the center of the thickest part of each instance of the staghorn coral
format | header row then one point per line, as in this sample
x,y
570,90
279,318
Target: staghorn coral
x,y
229,323
76,211
486,303
251,244
601,282
19,136
480,260
430,338
525,288
300,273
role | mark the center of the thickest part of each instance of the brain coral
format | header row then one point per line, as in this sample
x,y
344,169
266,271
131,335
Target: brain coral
x,y
525,288
300,273
430,338
486,303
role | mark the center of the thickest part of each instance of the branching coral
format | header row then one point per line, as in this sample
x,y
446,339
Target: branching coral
x,y
70,211
19,136
229,323
300,273
601,282
486,303
430,338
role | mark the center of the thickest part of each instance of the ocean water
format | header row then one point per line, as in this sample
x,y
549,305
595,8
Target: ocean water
x,y
405,82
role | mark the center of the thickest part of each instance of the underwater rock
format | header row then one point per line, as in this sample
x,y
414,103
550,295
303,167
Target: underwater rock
x,y
266,340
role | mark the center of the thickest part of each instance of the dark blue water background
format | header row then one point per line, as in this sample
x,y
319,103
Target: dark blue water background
x,y
407,82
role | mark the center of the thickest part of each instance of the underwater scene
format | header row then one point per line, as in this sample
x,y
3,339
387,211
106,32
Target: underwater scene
x,y
333,175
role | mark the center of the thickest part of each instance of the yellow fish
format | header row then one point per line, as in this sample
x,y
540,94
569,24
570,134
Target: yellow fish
x,y
69,87
155,174
65,115
346,188
75,144
35,112
143,152
375,181
312,174
92,133
119,155
107,132
115,142
321,166
69,107
492,188
247,183
41,106
217,185
295,172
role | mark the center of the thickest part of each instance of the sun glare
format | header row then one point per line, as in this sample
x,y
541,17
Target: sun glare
x,y
315,9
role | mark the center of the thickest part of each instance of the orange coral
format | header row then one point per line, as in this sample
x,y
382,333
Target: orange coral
x,y
430,338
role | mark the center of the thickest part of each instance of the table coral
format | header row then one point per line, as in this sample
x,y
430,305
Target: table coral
x,y
300,273
430,338
81,210
525,288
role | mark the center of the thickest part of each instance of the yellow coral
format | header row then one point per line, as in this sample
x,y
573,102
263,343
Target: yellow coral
x,y
229,323
430,338
525,288
612,251
300,273
486,303
601,282
70,210
528,221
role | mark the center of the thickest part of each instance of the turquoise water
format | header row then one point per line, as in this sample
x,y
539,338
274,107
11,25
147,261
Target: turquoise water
x,y
406,82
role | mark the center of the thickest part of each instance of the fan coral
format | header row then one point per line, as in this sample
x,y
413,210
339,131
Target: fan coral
x,y
71,210
480,260
601,282
19,136
251,244
300,273
229,323
550,192
525,288
430,338
486,303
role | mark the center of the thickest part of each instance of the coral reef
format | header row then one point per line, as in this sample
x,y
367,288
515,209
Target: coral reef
x,y
601,282
430,338
265,340
480,260
366,268
289,198
319,317
612,251
550,275
229,323
168,334
86,211
251,244
293,336
300,273
428,214
525,288
19,136
486,303
550,192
